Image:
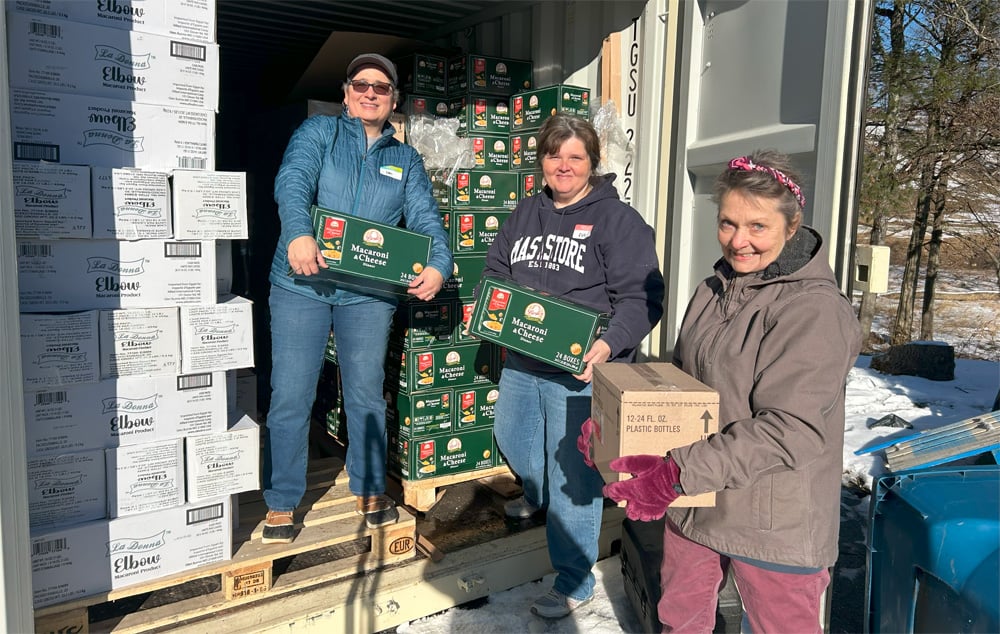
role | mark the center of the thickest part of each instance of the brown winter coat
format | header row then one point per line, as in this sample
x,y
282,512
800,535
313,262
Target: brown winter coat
x,y
778,350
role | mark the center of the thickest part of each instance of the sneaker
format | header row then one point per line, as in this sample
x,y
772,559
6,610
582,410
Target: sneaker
x,y
556,605
378,510
279,528
520,508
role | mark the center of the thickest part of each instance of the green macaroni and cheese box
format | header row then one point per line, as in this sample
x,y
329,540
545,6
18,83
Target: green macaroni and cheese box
x,y
440,188
484,189
423,74
463,311
366,255
431,106
540,326
418,324
529,184
490,151
466,271
481,113
420,415
531,108
524,151
475,406
458,452
416,371
475,231
481,73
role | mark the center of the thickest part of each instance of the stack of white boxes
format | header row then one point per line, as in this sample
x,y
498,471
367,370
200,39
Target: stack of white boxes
x,y
130,338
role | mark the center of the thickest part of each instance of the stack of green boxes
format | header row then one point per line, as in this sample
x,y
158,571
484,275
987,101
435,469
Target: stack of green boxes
x,y
439,393
441,384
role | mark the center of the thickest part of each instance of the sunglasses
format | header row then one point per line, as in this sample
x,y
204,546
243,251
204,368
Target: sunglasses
x,y
361,86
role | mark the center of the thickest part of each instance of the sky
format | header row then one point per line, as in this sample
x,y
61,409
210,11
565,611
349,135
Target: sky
x,y
924,403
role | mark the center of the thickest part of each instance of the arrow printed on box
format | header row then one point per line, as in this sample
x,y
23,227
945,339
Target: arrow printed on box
x,y
706,417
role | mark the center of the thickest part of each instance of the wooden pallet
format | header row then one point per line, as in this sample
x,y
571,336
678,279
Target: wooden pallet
x,y
330,523
423,494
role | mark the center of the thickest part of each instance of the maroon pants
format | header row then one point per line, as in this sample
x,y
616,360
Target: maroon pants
x,y
692,575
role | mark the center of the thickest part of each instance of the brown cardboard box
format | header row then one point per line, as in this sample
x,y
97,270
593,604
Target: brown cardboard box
x,y
649,408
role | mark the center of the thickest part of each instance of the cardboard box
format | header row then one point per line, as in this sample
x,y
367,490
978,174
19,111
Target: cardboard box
x,y
464,308
140,342
217,336
96,557
418,371
61,349
490,151
51,201
496,75
121,412
209,205
474,231
420,415
531,108
423,74
66,489
476,406
540,326
529,184
466,272
68,128
481,114
365,255
441,190
418,324
146,477
649,408
84,59
484,189
458,452
434,106
192,20
524,152
224,463
131,204
65,275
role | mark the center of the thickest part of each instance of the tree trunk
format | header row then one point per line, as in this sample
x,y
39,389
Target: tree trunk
x,y
903,326
890,152
933,262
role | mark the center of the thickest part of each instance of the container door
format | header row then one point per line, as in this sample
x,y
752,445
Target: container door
x,y
752,74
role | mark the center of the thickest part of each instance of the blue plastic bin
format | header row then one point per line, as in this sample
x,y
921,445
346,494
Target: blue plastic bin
x,y
934,551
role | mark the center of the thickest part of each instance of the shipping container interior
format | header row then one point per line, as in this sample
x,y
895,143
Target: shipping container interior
x,y
277,56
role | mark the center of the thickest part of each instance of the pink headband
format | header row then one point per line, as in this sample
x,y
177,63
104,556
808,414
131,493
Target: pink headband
x,y
744,163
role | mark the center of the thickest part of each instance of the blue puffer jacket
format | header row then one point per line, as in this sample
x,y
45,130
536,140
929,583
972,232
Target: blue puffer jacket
x,y
327,162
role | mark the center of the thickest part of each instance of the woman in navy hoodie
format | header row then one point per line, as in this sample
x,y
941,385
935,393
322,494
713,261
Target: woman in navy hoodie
x,y
574,240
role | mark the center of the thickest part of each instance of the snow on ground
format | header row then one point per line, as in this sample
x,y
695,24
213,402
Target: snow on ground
x,y
870,395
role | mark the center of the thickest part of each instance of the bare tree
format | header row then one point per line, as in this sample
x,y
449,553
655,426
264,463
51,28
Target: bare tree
x,y
879,191
960,70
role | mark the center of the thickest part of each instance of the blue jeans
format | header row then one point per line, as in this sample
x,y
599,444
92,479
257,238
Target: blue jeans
x,y
538,419
300,328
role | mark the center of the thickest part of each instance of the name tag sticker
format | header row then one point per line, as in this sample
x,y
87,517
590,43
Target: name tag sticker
x,y
391,171
582,232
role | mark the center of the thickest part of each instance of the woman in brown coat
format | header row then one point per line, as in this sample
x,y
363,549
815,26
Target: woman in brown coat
x,y
770,331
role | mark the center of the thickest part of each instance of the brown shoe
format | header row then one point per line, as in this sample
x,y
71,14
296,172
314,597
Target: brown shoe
x,y
378,510
279,528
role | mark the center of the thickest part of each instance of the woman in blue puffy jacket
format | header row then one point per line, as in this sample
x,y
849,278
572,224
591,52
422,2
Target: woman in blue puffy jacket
x,y
349,163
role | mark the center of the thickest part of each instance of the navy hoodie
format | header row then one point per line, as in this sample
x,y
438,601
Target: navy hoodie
x,y
597,252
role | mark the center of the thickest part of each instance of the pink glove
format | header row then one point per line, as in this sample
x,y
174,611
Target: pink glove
x,y
654,487
587,431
